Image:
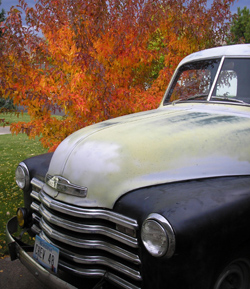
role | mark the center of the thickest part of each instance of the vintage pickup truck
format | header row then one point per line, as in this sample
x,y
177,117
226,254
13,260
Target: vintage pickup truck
x,y
158,199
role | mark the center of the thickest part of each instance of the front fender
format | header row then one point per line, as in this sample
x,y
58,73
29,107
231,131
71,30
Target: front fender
x,y
210,218
37,167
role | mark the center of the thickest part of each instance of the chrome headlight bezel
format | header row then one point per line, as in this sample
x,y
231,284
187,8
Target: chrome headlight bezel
x,y
22,176
162,243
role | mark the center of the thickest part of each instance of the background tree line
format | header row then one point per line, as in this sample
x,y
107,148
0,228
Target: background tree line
x,y
240,27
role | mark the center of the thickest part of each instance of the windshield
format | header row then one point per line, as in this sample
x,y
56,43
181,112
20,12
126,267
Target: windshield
x,y
194,81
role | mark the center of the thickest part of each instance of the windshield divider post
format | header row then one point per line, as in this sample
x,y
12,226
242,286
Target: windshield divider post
x,y
216,78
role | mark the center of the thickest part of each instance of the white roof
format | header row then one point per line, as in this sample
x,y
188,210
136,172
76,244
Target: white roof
x,y
230,50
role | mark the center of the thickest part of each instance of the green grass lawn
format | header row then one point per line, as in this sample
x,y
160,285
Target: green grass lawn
x,y
13,150
12,117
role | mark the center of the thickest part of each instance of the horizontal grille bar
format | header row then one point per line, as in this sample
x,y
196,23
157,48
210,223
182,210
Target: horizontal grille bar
x,y
37,183
88,244
35,229
90,272
93,260
87,213
35,207
35,217
35,195
87,229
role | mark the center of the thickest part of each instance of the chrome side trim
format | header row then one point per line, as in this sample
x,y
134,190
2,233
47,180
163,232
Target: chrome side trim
x,y
87,213
82,259
89,229
89,244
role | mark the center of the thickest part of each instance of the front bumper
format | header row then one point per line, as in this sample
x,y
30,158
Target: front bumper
x,y
21,252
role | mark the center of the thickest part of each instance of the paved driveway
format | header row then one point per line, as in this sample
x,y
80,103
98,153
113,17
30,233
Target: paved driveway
x,y
4,130
14,275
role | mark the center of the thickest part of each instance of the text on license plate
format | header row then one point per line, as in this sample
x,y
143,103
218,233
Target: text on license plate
x,y
46,254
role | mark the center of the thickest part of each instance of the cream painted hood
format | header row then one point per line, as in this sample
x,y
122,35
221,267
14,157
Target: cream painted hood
x,y
173,143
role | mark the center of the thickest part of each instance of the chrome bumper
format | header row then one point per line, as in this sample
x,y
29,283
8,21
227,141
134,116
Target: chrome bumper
x,y
18,252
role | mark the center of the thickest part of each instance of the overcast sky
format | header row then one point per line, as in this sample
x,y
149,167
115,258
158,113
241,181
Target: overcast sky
x,y
6,4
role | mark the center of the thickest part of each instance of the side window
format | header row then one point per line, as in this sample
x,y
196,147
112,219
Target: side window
x,y
234,80
227,84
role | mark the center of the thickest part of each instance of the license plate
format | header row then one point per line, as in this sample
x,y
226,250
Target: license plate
x,y
46,254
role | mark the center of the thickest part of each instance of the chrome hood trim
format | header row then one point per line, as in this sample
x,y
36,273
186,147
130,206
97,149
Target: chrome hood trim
x,y
172,143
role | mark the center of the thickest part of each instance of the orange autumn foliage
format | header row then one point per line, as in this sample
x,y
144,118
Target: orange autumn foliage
x,y
97,59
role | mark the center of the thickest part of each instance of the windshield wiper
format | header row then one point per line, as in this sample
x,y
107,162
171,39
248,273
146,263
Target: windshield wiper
x,y
229,99
190,98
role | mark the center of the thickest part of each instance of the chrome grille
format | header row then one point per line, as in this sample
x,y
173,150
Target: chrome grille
x,y
88,239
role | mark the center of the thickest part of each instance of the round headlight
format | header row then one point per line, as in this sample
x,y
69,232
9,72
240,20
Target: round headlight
x,y
158,236
22,176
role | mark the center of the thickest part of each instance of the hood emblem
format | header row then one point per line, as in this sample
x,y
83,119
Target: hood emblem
x,y
64,186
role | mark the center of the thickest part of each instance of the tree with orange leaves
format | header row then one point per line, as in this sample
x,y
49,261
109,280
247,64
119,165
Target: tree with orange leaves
x,y
98,59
